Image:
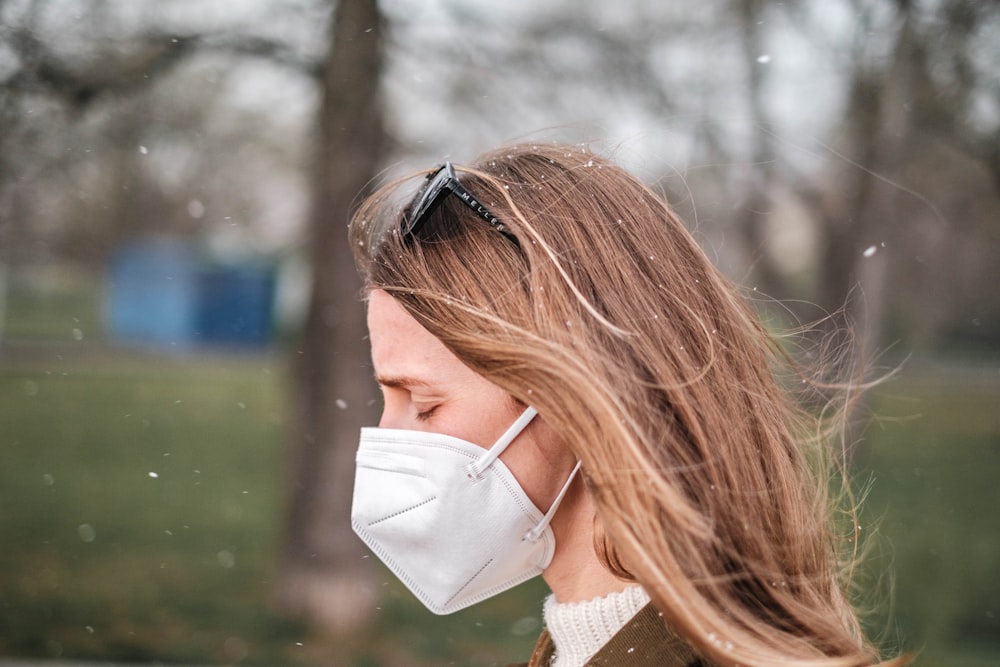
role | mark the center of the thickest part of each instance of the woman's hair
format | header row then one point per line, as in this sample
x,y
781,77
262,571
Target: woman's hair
x,y
608,318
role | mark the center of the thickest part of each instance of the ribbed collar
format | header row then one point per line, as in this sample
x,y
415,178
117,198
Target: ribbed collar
x,y
580,629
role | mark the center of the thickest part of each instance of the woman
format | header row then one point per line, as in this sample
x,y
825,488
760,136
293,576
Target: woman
x,y
572,390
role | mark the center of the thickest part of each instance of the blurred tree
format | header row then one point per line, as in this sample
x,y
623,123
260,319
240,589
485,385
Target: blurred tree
x,y
765,121
107,128
99,144
324,576
880,207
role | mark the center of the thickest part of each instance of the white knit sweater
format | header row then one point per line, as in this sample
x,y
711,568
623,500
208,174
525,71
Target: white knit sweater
x,y
580,629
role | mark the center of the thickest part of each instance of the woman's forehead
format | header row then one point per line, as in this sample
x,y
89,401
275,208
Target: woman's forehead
x,y
403,350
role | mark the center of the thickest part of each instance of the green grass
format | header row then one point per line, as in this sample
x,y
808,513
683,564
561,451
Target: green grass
x,y
56,302
140,516
139,507
100,560
935,507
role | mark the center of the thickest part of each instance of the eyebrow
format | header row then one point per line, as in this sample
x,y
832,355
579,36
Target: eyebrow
x,y
400,382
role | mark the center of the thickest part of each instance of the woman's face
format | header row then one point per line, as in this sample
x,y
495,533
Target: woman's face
x,y
427,388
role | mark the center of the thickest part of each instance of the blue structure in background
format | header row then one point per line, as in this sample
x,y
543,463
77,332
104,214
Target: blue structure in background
x,y
161,294
235,305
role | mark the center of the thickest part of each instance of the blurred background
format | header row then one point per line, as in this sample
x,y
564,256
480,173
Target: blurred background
x,y
182,359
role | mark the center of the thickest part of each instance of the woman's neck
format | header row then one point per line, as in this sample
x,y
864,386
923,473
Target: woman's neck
x,y
575,573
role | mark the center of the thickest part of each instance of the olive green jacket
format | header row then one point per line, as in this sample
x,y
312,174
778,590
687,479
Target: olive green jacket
x,y
643,642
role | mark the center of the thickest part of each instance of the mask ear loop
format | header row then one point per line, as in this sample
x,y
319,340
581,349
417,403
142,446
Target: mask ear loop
x,y
476,468
537,531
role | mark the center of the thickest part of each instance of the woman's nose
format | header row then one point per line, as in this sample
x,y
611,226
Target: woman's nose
x,y
391,417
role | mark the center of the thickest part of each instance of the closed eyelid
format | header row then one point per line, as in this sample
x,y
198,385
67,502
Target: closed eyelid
x,y
418,391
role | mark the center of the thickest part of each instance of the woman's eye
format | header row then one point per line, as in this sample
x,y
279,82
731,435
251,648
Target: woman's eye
x,y
423,415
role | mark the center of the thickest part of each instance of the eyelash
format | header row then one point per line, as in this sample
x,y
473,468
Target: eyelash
x,y
427,414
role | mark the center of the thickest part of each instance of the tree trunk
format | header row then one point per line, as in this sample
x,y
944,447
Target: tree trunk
x,y
760,181
323,577
863,233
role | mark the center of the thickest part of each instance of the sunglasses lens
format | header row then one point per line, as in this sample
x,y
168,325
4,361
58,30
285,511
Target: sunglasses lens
x,y
425,201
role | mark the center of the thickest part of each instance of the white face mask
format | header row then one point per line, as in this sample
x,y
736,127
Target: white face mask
x,y
448,517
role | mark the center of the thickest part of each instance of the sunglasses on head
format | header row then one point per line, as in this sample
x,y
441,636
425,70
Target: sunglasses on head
x,y
439,183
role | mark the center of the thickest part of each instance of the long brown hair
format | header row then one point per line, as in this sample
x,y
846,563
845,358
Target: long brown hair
x,y
608,318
